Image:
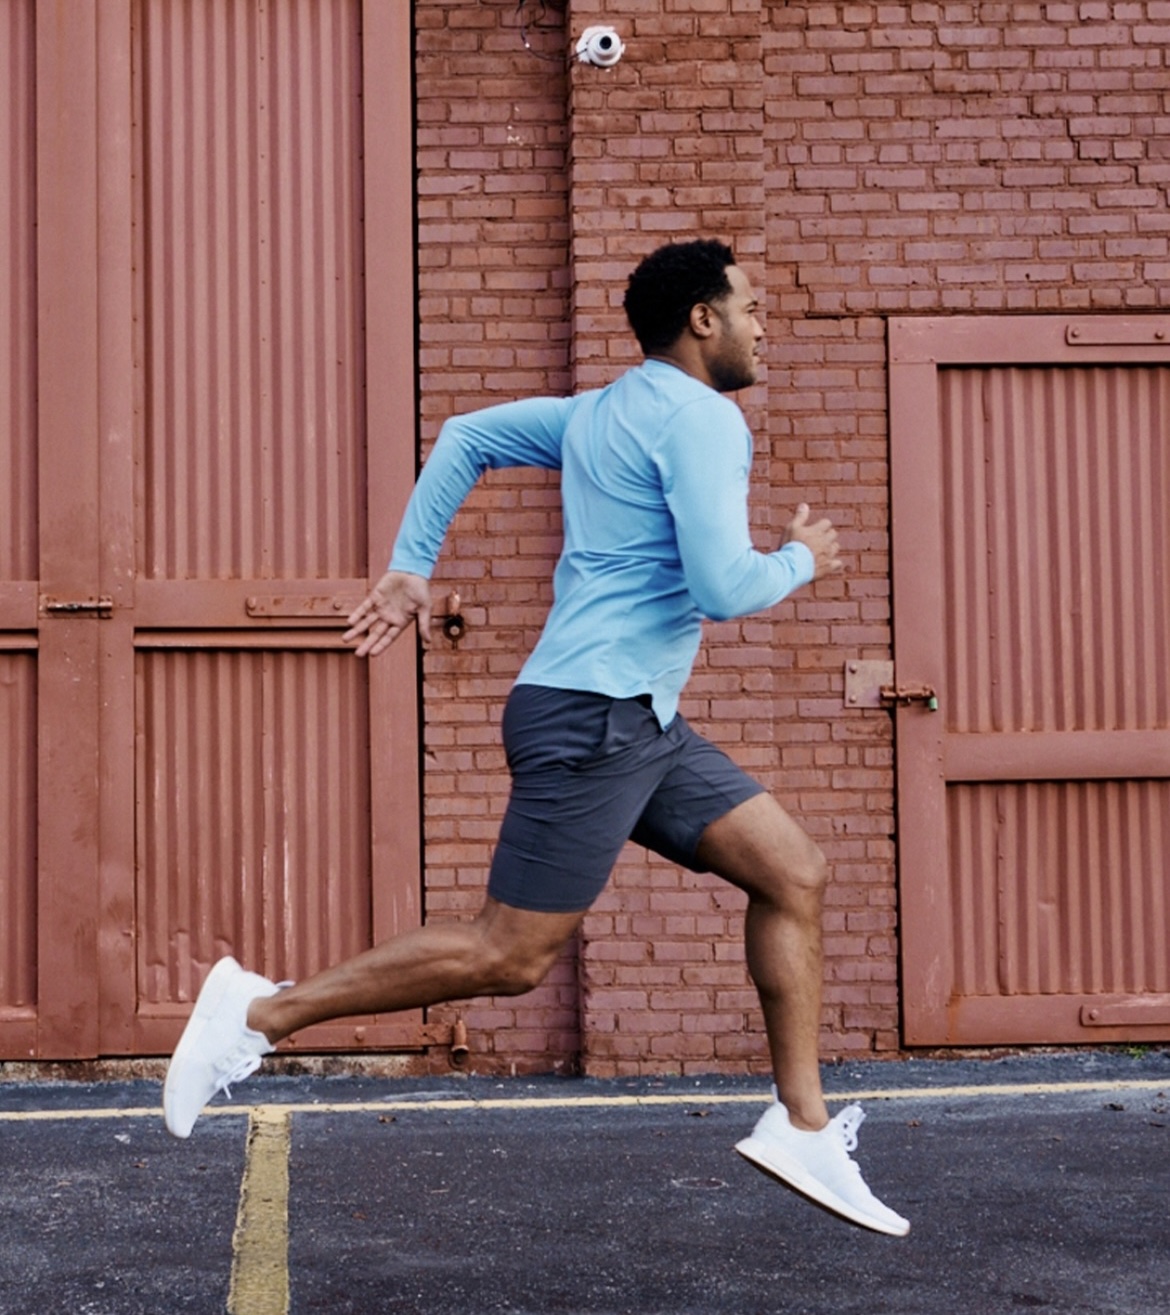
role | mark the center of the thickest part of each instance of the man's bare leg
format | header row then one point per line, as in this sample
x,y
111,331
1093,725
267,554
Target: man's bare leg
x,y
239,1015
760,848
504,951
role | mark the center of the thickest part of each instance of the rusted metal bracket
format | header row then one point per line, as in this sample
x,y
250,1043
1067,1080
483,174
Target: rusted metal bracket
x,y
863,679
453,622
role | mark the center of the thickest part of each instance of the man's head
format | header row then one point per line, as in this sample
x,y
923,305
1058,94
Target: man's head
x,y
690,303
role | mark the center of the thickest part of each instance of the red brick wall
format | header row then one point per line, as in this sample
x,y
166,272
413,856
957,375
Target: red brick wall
x,y
969,158
865,160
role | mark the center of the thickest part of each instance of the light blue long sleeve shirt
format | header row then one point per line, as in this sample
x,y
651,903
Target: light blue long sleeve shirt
x,y
654,491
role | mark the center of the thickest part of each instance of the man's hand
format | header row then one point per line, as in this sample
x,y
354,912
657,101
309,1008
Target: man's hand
x,y
387,611
820,539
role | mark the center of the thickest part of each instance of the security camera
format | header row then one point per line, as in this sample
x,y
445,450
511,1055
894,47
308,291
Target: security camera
x,y
601,46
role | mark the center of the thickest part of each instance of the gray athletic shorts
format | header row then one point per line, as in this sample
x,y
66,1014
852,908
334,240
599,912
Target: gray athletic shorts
x,y
589,773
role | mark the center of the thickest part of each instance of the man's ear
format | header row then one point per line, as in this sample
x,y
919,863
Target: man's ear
x,y
702,320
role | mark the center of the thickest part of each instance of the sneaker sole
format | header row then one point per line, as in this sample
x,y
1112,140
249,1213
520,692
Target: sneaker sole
x,y
791,1174
207,1003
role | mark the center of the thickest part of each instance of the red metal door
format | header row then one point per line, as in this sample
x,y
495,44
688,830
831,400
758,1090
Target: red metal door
x,y
223,240
1030,466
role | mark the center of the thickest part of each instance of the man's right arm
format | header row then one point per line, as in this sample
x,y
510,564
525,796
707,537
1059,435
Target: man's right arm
x,y
526,433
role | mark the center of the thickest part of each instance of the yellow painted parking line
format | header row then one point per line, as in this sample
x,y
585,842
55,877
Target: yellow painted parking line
x,y
103,1112
462,1103
260,1281
698,1097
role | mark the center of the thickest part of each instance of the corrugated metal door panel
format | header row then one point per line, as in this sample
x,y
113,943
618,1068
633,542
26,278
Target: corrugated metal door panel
x,y
1060,887
316,714
18,311
1055,492
253,814
18,850
251,275
1031,474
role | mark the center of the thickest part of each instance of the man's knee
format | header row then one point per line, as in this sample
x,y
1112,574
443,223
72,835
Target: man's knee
x,y
760,848
509,971
808,870
516,949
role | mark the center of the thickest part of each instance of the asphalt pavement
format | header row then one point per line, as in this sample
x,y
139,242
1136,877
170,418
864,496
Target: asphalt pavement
x,y
1032,1183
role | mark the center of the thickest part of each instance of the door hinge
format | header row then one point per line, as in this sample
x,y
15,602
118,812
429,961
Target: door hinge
x,y
1127,1011
1113,331
103,608
302,607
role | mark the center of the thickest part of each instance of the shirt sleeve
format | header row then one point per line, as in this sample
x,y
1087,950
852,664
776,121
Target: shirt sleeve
x,y
527,433
704,458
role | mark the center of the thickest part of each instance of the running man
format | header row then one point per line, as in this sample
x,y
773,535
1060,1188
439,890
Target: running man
x,y
654,483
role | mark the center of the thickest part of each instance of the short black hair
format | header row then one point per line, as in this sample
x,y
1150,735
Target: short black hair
x,y
668,283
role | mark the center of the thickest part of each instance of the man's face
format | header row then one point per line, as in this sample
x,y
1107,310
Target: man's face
x,y
733,359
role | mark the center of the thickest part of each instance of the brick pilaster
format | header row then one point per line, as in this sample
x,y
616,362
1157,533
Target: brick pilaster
x,y
665,146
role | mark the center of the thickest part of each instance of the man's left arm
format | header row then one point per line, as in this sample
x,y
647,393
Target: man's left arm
x,y
706,465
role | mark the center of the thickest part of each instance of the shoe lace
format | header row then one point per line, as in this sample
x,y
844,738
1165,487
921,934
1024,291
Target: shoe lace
x,y
239,1063
847,1123
242,1067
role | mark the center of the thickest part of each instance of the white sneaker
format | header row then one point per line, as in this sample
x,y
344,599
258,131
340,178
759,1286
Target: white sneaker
x,y
817,1165
217,1047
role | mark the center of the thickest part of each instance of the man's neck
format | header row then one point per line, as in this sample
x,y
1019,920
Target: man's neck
x,y
688,362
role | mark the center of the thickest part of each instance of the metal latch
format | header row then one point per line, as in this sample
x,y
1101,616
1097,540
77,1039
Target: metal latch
x,y
904,695
103,608
869,683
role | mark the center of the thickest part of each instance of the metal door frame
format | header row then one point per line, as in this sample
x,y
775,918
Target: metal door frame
x,y
926,757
